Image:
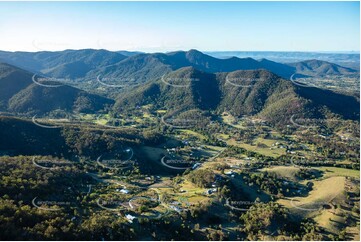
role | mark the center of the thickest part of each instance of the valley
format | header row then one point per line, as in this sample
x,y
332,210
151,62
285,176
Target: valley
x,y
179,120
210,149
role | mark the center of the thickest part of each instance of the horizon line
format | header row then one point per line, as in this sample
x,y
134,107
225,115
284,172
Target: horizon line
x,y
204,51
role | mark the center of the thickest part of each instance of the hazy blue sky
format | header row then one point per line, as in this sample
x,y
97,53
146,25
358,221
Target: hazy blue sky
x,y
166,26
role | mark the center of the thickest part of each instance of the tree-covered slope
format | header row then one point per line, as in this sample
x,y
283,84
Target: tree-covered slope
x,y
321,68
249,92
12,80
21,92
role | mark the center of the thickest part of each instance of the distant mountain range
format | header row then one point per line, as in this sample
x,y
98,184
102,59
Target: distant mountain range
x,y
176,80
320,68
140,67
348,59
62,64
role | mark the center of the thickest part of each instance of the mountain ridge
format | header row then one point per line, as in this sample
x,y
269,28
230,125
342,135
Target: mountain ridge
x,y
146,66
19,93
242,92
321,68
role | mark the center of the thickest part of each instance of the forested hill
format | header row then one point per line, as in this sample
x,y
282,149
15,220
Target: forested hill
x,y
257,92
23,92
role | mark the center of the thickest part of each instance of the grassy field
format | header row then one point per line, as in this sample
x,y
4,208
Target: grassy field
x,y
324,191
336,171
192,193
223,136
288,172
274,152
189,194
146,115
161,111
192,133
230,120
268,142
355,232
329,220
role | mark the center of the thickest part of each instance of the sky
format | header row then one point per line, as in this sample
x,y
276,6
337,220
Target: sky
x,y
170,26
